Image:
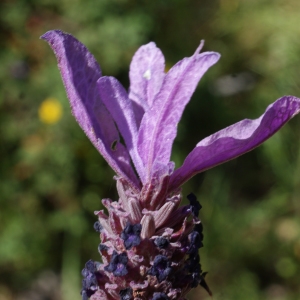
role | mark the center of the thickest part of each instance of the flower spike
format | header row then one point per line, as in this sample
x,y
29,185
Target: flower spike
x,y
149,243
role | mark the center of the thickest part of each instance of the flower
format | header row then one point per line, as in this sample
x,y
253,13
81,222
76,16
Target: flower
x,y
50,111
118,263
149,243
131,235
161,268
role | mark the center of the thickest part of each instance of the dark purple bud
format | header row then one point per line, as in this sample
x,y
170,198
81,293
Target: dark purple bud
x,y
196,277
195,242
84,295
90,265
90,282
117,264
87,293
193,263
160,296
161,242
195,206
131,235
97,265
97,226
126,294
85,272
194,258
161,268
199,229
102,247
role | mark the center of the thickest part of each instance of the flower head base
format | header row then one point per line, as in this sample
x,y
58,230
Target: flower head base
x,y
149,243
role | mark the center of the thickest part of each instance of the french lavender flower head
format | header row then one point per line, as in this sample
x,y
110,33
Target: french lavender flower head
x,y
149,243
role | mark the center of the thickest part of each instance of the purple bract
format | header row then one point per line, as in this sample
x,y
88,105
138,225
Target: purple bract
x,y
149,242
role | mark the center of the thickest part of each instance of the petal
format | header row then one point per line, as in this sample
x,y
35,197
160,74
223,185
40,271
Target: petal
x,y
159,124
80,72
235,140
116,100
146,76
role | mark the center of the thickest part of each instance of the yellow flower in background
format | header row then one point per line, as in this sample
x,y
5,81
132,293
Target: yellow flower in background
x,y
50,111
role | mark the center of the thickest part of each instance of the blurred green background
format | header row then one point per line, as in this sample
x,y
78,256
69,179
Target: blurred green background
x,y
52,179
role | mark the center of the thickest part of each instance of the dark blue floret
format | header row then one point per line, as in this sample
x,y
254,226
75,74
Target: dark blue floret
x,y
87,293
195,206
97,226
84,295
199,229
195,242
89,282
126,294
161,268
90,265
97,266
85,272
131,235
117,264
102,247
193,262
160,296
161,242
196,277
195,271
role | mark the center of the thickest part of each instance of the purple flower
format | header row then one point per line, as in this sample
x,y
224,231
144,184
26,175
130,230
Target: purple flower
x,y
195,241
195,206
89,282
131,235
161,268
97,226
118,264
161,242
157,257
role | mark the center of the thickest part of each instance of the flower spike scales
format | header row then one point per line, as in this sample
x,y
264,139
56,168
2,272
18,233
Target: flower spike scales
x,y
149,243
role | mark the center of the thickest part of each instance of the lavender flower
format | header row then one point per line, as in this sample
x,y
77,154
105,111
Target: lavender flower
x,y
149,243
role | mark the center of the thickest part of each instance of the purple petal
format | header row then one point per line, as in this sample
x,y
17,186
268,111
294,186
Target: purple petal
x,y
146,76
80,72
116,100
235,140
159,124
